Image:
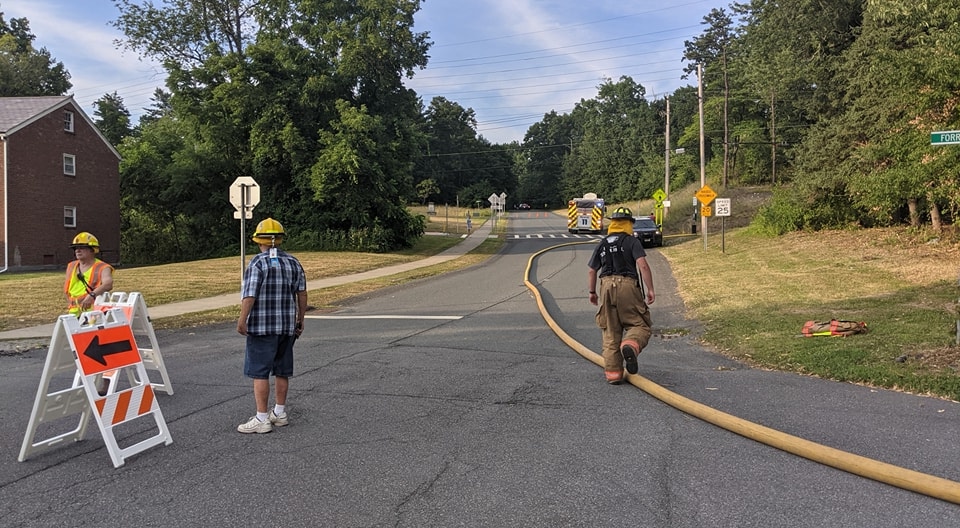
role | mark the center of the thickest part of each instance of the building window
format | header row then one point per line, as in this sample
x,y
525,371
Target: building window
x,y
69,165
68,121
70,216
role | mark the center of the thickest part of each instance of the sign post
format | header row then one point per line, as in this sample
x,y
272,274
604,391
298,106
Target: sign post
x,y
723,211
244,195
658,206
497,202
705,195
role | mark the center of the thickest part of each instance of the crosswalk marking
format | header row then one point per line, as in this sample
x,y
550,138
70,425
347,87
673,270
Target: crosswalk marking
x,y
540,236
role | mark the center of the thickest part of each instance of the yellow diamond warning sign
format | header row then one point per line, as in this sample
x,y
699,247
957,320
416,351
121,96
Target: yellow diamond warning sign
x,y
705,195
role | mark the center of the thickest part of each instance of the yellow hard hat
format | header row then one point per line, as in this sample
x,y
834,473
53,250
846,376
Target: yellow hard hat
x,y
85,239
268,231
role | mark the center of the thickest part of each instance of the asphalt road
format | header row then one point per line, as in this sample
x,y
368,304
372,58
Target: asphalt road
x,y
449,402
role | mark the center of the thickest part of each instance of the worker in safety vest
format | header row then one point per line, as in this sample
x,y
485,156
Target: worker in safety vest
x,y
87,277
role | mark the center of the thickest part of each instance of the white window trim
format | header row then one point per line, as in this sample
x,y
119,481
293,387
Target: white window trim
x,y
72,165
70,214
67,121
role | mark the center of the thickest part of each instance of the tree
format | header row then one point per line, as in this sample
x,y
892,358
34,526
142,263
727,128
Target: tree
x,y
161,107
790,58
893,166
450,132
112,117
711,50
158,195
619,131
276,89
426,189
546,146
463,165
24,70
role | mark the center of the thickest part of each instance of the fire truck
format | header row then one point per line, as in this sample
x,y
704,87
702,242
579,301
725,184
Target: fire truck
x,y
585,215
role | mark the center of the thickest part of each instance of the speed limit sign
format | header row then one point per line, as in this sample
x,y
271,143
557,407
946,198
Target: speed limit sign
x,y
722,206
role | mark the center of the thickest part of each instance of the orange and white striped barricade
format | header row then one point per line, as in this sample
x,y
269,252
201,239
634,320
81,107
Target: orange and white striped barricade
x,y
135,308
93,349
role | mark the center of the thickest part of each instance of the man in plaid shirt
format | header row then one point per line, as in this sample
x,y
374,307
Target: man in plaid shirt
x,y
274,301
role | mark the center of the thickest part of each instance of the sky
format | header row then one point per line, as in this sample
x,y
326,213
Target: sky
x,y
511,61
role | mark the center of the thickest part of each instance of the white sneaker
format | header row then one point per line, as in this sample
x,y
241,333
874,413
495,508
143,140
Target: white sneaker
x,y
255,426
279,421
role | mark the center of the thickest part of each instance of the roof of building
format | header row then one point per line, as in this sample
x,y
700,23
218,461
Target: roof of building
x,y
17,111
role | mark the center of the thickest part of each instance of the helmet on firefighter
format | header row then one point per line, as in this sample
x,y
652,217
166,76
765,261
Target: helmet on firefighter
x,y
269,232
622,212
86,240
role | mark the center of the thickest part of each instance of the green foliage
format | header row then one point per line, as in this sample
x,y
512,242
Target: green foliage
x,y
375,239
25,70
616,131
832,102
112,118
426,189
544,160
305,97
782,215
145,242
456,160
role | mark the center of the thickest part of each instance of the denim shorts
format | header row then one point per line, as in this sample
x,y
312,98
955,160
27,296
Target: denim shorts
x,y
269,354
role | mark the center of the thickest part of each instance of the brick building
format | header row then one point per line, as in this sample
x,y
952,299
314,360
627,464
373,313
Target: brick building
x,y
58,176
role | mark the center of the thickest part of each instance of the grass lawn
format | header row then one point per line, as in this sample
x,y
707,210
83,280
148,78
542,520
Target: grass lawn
x,y
754,297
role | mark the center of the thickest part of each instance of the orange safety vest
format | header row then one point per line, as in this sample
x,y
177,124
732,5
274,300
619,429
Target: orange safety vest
x,y
92,279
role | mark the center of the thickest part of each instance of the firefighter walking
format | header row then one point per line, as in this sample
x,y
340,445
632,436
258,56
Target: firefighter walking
x,y
623,297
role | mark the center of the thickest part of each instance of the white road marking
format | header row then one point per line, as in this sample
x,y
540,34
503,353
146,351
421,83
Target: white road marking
x,y
347,316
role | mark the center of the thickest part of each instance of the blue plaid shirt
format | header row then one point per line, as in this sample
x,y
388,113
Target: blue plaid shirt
x,y
274,283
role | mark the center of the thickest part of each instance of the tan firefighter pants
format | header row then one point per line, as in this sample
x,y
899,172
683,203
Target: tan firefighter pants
x,y
622,314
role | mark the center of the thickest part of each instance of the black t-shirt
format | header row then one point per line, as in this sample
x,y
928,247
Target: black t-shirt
x,y
617,254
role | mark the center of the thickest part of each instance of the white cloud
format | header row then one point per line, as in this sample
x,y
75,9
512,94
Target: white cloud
x,y
78,34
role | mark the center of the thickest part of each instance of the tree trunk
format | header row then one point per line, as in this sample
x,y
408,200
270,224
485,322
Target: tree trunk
x,y
914,212
726,125
733,157
935,219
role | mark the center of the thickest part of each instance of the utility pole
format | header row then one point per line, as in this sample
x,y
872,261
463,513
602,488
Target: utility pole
x,y
773,138
703,154
666,154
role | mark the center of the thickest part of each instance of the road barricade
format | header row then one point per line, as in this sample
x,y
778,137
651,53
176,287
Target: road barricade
x,y
103,345
135,308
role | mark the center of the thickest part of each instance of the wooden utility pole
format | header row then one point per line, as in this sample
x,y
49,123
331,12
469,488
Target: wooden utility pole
x,y
703,154
773,138
666,154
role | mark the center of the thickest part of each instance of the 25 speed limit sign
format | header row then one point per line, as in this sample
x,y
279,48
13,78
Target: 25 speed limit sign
x,y
722,206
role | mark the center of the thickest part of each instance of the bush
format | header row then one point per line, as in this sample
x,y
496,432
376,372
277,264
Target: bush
x,y
783,215
375,239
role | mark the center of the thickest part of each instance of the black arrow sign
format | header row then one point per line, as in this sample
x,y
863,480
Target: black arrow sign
x,y
96,351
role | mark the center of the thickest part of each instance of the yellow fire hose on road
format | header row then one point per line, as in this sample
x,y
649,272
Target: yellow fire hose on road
x,y
903,478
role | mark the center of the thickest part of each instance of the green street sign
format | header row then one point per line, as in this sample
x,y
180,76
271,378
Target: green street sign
x,y
947,137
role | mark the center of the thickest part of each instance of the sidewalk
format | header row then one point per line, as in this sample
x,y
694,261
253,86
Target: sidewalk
x,y
467,244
